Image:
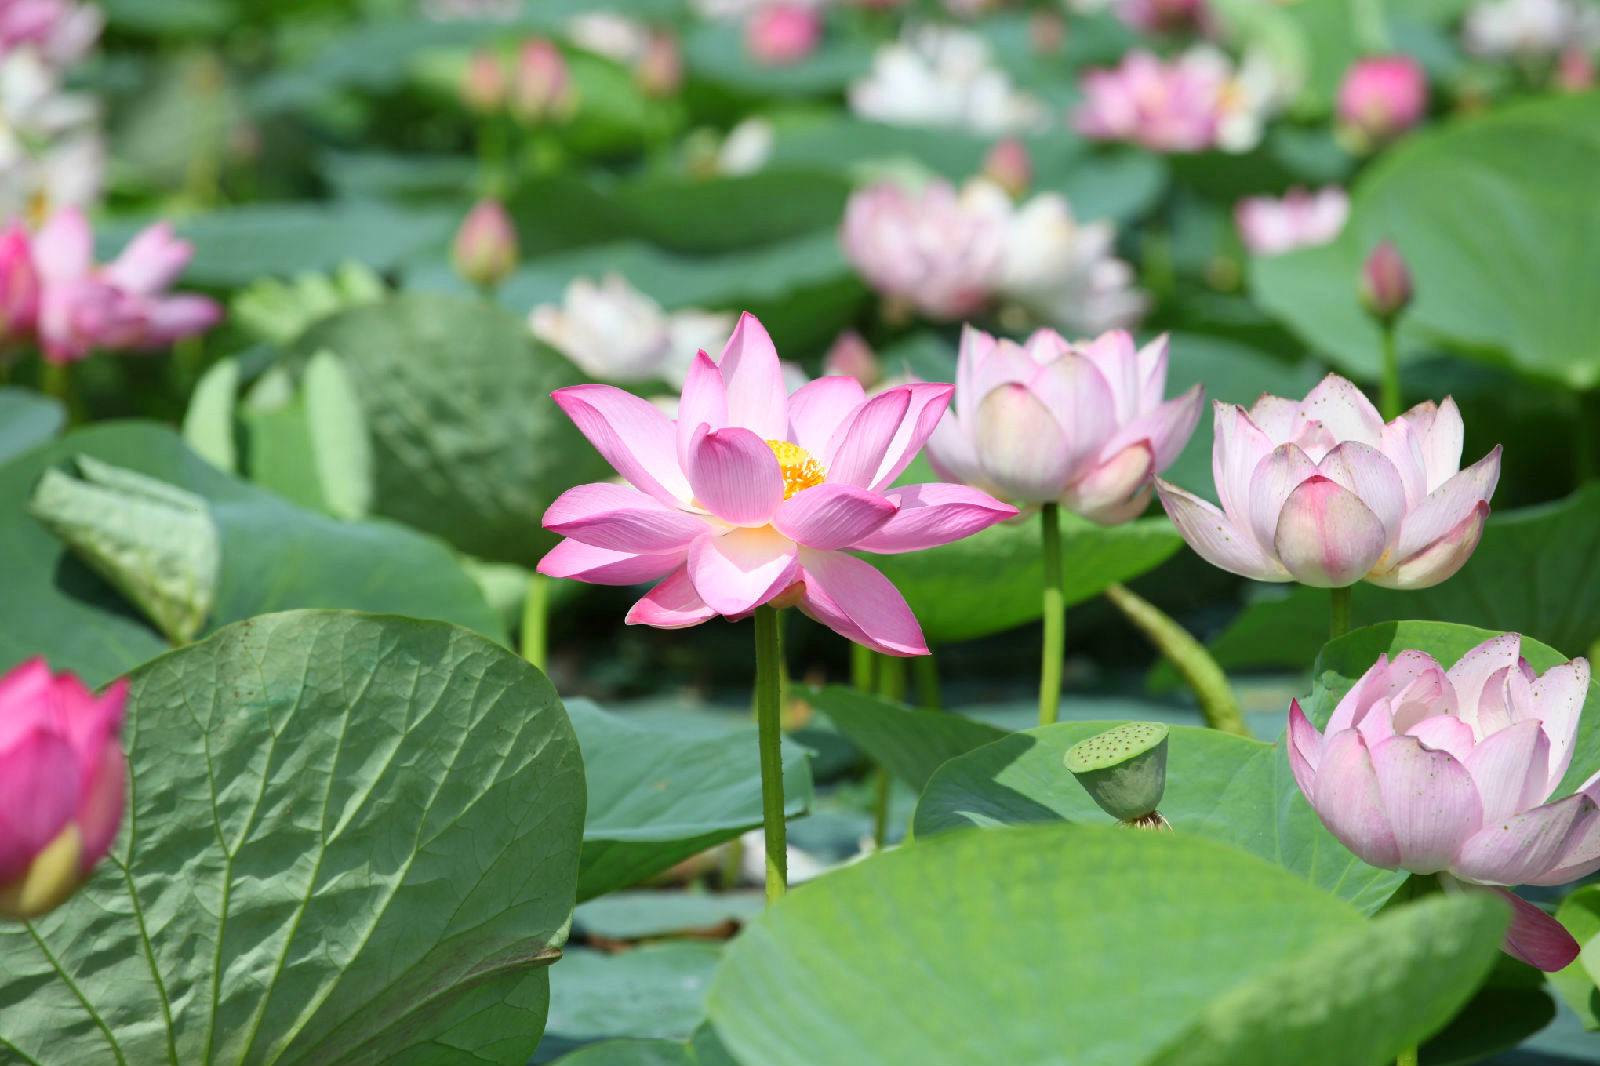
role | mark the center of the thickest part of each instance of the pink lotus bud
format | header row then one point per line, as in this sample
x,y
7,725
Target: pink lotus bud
x,y
1009,167
62,774
19,285
1451,772
483,83
1385,282
781,34
485,249
1574,70
542,90
1381,98
852,357
659,71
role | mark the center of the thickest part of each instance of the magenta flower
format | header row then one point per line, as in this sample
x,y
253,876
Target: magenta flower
x,y
19,286
1451,773
753,496
1322,492
61,785
1166,107
783,33
1082,425
1382,97
1269,226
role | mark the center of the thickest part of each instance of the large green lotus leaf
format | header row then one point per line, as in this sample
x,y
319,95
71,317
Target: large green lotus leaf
x,y
275,556
1343,661
1091,945
731,213
27,420
1578,984
467,443
705,1049
349,839
660,792
1219,786
655,990
991,582
650,913
1495,262
910,744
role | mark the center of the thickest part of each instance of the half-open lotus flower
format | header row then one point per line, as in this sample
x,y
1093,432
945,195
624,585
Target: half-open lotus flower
x,y
1051,422
754,496
1322,492
1451,773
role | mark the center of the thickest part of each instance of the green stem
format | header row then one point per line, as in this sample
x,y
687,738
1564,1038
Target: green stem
x,y
891,673
880,808
1188,656
536,620
926,673
1339,617
1389,401
769,734
863,667
1055,617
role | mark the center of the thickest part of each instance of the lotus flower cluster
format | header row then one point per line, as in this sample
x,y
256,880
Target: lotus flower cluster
x,y
1083,425
1301,219
50,144
1451,773
1322,492
754,496
61,785
941,76
613,331
54,294
1195,102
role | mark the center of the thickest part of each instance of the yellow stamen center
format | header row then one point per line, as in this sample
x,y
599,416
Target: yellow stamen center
x,y
800,471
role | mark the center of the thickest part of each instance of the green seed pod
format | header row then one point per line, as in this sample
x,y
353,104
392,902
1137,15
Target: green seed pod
x,y
1124,770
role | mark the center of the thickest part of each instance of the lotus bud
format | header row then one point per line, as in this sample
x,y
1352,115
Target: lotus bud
x,y
542,90
1385,283
1381,98
483,83
783,33
852,357
486,245
659,71
1124,770
19,285
1008,166
1574,71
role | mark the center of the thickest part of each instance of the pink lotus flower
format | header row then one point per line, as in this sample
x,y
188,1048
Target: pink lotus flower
x,y
485,248
1009,166
61,785
1301,219
1451,773
1385,282
61,31
930,248
120,305
1167,107
1052,422
1381,98
781,34
483,83
19,286
1321,492
542,89
754,496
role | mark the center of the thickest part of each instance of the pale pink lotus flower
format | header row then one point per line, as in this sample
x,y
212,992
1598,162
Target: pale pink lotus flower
x,y
613,331
1451,773
19,286
62,775
61,31
122,305
659,71
1301,219
542,88
1322,492
943,76
755,496
485,248
1198,101
783,33
1382,97
484,85
1083,425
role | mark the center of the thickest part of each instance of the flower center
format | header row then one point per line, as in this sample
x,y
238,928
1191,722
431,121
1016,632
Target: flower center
x,y
800,471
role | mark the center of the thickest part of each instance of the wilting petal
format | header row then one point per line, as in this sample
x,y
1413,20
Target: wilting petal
x,y
925,407
621,518
1326,536
1107,492
1215,538
673,604
1076,395
830,516
757,398
934,514
1446,733
1448,506
633,436
39,789
1022,448
1365,471
1511,768
1236,450
735,476
855,601
1429,801
742,569
1345,410
1514,849
1557,699
1349,801
703,402
1305,750
856,451
1474,669
1534,937
818,408
602,566
1276,476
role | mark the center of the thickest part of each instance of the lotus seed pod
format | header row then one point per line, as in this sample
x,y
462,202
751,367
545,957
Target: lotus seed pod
x,y
1124,770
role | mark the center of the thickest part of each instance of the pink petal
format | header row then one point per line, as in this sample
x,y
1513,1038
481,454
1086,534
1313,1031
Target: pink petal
x,y
1236,450
90,724
933,514
743,568
63,249
1557,699
1367,473
1440,433
1446,733
1536,938
1274,415
1402,446
1167,428
621,518
602,566
1345,410
152,260
1429,802
100,806
1077,396
1580,852
703,402
1214,536
1511,769
976,348
1349,801
1110,491
1115,357
951,454
925,407
1276,476
39,794
673,604
1153,375
26,701
860,604
757,398
1326,536
1474,669
633,436
1305,750
1021,447
1519,847
856,451
734,475
1448,506
176,317
1440,560
830,516
1007,364
817,409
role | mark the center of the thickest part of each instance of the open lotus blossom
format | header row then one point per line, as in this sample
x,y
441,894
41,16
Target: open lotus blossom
x,y
60,31
1451,773
61,785
1382,97
1081,425
1192,103
754,496
1322,492
1269,226
50,145
942,76
615,332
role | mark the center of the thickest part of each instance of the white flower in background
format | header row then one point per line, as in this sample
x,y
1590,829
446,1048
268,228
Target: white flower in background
x,y
615,332
1270,226
1530,28
610,34
747,147
50,146
1256,91
941,76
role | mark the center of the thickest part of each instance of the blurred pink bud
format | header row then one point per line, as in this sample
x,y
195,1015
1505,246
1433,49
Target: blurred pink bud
x,y
783,33
659,71
1385,282
19,285
1574,70
485,248
1300,220
1382,97
62,774
542,90
484,84
1009,166
852,357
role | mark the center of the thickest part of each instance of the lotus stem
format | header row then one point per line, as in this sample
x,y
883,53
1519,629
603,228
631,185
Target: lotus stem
x,y
1055,617
536,621
1389,401
1339,620
926,673
1188,656
891,673
769,738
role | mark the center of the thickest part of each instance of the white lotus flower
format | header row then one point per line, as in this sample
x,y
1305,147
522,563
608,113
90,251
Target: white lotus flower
x,y
615,332
940,76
